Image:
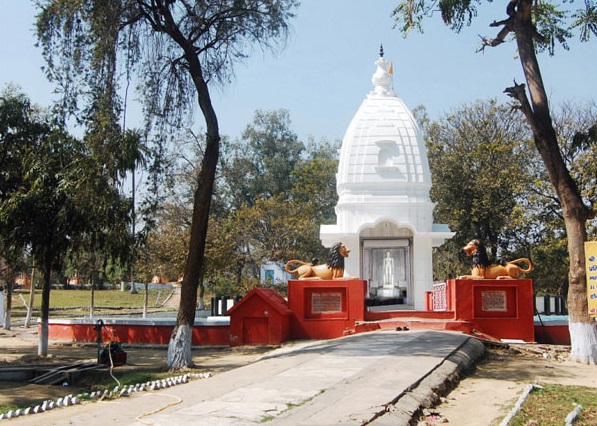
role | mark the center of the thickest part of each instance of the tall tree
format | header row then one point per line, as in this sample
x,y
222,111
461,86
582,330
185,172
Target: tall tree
x,y
181,46
477,194
34,200
545,229
477,158
241,238
314,182
53,191
264,159
534,25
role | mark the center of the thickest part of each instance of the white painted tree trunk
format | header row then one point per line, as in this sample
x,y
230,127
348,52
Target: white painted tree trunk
x,y
145,299
583,336
2,305
42,348
8,311
7,319
179,348
92,299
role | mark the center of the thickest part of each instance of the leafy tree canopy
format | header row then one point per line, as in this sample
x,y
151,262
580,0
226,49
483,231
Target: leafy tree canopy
x,y
246,231
478,156
55,194
262,162
554,21
490,183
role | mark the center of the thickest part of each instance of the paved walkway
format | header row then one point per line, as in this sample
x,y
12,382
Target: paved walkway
x,y
375,378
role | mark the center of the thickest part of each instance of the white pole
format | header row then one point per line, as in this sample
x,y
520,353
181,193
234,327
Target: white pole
x,y
2,305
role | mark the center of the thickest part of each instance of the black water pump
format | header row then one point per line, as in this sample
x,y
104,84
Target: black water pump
x,y
112,353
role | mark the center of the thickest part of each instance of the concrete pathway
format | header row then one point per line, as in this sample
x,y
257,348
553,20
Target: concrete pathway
x,y
375,378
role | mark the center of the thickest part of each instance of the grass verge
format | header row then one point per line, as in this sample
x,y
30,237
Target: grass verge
x,y
550,406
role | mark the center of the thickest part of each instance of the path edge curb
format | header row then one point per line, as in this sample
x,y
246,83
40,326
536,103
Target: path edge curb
x,y
427,391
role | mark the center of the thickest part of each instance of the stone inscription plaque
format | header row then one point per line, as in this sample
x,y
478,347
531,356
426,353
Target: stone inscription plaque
x,y
326,302
494,301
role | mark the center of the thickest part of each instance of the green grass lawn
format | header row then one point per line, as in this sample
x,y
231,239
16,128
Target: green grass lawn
x,y
75,302
76,298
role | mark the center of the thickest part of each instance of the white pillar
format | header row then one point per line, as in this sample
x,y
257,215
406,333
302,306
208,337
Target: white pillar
x,y
352,264
422,270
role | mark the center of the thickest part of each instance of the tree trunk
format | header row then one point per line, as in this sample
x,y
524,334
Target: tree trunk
x,y
201,305
179,348
583,331
145,299
92,298
31,298
8,311
42,349
2,297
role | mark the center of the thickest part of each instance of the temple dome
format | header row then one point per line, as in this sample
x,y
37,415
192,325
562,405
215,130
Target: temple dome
x,y
383,158
383,147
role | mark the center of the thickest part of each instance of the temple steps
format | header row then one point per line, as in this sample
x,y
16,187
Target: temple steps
x,y
415,323
405,320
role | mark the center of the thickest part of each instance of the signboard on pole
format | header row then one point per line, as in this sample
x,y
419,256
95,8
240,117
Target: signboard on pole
x,y
591,266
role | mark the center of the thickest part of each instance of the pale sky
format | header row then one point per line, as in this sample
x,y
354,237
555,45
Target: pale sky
x,y
324,73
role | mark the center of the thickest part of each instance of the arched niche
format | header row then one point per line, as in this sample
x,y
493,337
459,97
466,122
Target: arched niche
x,y
386,263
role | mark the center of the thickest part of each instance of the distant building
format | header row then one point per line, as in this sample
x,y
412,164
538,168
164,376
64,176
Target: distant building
x,y
273,273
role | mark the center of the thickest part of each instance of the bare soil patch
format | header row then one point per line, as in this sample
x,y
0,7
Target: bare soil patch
x,y
490,391
18,346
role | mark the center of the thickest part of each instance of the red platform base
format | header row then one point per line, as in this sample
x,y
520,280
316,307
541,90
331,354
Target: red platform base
x,y
552,334
325,309
499,308
134,331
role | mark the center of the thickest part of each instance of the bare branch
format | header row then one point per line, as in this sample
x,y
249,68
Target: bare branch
x,y
499,23
500,38
518,92
538,37
508,26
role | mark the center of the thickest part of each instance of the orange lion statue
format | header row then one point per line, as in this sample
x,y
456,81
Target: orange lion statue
x,y
483,269
333,269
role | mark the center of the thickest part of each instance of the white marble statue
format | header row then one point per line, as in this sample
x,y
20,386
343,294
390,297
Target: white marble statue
x,y
388,268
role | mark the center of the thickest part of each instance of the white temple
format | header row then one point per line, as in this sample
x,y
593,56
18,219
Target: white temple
x,y
384,213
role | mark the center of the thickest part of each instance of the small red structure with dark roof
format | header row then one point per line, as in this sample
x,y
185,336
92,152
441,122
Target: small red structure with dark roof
x,y
261,317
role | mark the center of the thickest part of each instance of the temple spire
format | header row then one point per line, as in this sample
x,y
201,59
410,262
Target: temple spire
x,y
382,78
